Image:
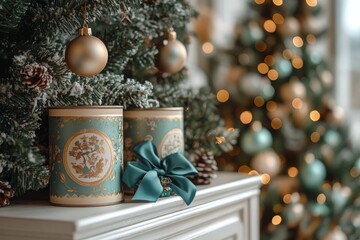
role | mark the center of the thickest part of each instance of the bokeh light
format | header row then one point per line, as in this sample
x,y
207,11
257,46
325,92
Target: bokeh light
x,y
273,75
321,198
222,95
276,123
314,115
207,47
297,62
259,101
311,3
278,18
298,42
278,2
276,220
263,68
293,172
246,117
269,26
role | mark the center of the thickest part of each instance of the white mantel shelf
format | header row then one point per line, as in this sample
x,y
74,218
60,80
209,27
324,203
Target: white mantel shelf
x,y
226,209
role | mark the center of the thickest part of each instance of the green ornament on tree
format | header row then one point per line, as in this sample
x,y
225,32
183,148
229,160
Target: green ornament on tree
x,y
256,139
312,173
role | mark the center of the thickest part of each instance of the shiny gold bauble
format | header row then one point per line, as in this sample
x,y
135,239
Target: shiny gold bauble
x,y
266,162
172,54
86,55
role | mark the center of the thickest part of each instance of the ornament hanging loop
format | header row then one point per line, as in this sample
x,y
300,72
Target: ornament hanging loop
x,y
86,17
85,30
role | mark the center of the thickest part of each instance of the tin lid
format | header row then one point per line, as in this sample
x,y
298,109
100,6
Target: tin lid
x,y
85,111
155,109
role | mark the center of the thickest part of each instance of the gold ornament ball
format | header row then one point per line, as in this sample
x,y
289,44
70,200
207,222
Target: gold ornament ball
x,y
293,89
267,162
86,55
172,55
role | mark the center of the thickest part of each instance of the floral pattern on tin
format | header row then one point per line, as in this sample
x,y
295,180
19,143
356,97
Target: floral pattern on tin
x,y
172,142
88,157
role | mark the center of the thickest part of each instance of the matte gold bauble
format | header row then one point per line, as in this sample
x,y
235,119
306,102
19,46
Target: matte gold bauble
x,y
86,55
293,89
266,162
172,54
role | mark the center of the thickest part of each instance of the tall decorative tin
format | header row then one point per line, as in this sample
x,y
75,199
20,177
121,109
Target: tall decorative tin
x,y
163,126
86,151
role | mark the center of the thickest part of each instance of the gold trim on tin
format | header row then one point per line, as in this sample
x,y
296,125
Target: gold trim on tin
x,y
87,201
85,111
112,159
163,113
156,109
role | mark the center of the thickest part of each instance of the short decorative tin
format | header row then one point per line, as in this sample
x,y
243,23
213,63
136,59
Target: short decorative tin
x,y
163,126
86,151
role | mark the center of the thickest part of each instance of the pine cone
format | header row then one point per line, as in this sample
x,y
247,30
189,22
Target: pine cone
x,y
36,76
205,163
5,193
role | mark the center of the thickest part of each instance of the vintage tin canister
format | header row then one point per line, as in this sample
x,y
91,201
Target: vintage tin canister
x,y
86,155
163,126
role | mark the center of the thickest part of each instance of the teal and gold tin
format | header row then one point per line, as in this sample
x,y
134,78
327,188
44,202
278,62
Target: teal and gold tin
x,y
86,151
163,126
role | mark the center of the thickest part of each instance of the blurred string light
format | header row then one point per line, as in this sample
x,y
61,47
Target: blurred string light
x,y
276,220
273,75
270,26
259,1
259,101
278,18
287,54
269,60
278,2
222,96
276,123
244,169
315,137
311,3
287,198
293,172
297,103
314,116
246,117
311,39
271,106
253,172
263,68
298,42
321,198
297,62
208,47
265,178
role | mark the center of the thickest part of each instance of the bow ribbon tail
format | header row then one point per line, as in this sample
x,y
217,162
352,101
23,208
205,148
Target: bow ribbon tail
x,y
133,173
183,187
150,187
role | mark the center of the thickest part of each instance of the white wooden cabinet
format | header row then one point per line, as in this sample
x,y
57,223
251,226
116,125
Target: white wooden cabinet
x,y
226,209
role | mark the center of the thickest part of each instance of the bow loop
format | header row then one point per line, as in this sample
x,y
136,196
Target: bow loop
x,y
149,169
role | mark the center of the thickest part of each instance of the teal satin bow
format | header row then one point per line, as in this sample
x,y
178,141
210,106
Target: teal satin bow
x,y
148,170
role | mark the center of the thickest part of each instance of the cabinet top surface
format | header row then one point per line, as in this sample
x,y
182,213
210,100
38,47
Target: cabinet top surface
x,y
21,212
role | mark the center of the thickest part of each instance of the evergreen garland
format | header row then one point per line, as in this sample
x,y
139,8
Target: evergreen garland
x,y
33,74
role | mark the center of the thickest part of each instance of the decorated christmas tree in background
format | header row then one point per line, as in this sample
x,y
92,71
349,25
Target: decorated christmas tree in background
x,y
278,91
34,75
